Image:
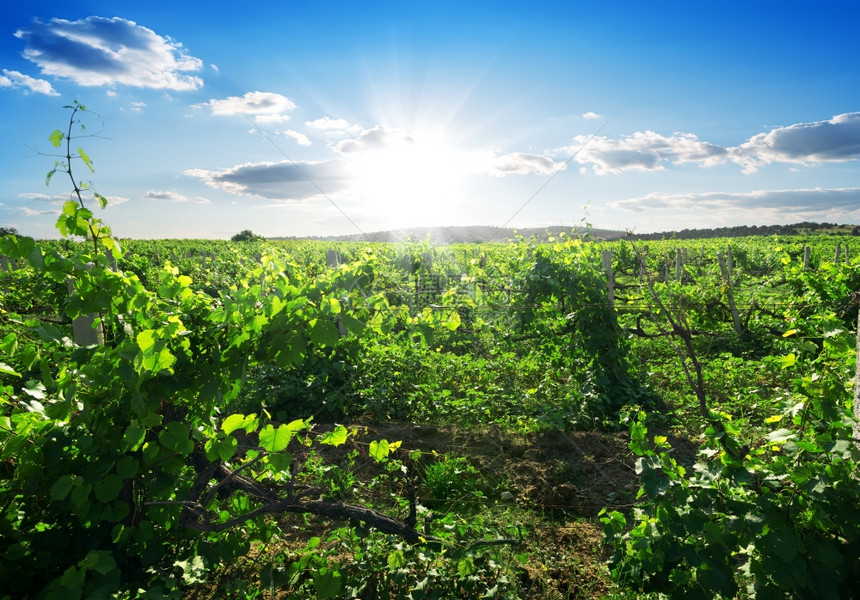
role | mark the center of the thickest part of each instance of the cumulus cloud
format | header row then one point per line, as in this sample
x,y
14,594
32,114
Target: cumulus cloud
x,y
266,107
14,79
801,204
834,140
277,180
328,124
518,163
301,138
592,116
377,138
100,51
172,197
643,151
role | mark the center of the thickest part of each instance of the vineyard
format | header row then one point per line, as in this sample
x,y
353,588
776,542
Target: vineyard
x,y
294,419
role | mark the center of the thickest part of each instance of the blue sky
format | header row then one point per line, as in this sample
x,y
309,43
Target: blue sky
x,y
302,118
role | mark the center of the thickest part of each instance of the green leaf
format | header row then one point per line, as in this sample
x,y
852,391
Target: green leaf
x,y
61,487
133,436
86,158
7,370
781,436
335,437
324,333
327,582
788,360
228,448
396,560
108,488
453,322
177,437
232,423
103,202
379,450
281,461
100,561
352,324
275,440
126,467
466,566
56,138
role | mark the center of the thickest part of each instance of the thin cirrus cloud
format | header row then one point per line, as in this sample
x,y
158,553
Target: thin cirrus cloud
x,y
283,180
100,51
833,140
59,200
15,79
266,107
831,203
172,197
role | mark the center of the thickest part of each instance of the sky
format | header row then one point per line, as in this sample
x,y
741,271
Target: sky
x,y
325,118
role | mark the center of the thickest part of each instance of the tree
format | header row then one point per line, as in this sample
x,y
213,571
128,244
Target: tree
x,y
246,235
8,231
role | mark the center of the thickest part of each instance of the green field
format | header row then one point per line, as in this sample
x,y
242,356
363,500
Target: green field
x,y
420,421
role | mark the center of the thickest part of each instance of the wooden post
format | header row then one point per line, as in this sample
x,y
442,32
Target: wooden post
x,y
610,279
807,256
4,264
331,259
83,331
677,264
838,253
857,390
731,262
731,297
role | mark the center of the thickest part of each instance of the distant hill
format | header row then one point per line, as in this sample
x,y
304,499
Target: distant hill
x,y
483,234
468,234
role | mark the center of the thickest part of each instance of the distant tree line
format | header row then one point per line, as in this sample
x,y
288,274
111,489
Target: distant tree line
x,y
805,227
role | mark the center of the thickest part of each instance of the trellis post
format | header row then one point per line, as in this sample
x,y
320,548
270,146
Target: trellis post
x,y
610,279
729,294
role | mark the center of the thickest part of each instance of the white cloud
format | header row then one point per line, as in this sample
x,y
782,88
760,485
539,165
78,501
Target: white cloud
x,y
266,107
518,163
327,124
301,138
61,199
29,212
834,140
376,138
172,197
14,79
56,198
643,151
284,180
841,204
100,51
592,116
135,107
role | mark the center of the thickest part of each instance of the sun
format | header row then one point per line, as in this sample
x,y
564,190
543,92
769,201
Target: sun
x,y
410,178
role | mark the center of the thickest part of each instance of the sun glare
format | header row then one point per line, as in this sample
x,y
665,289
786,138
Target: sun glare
x,y
412,180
